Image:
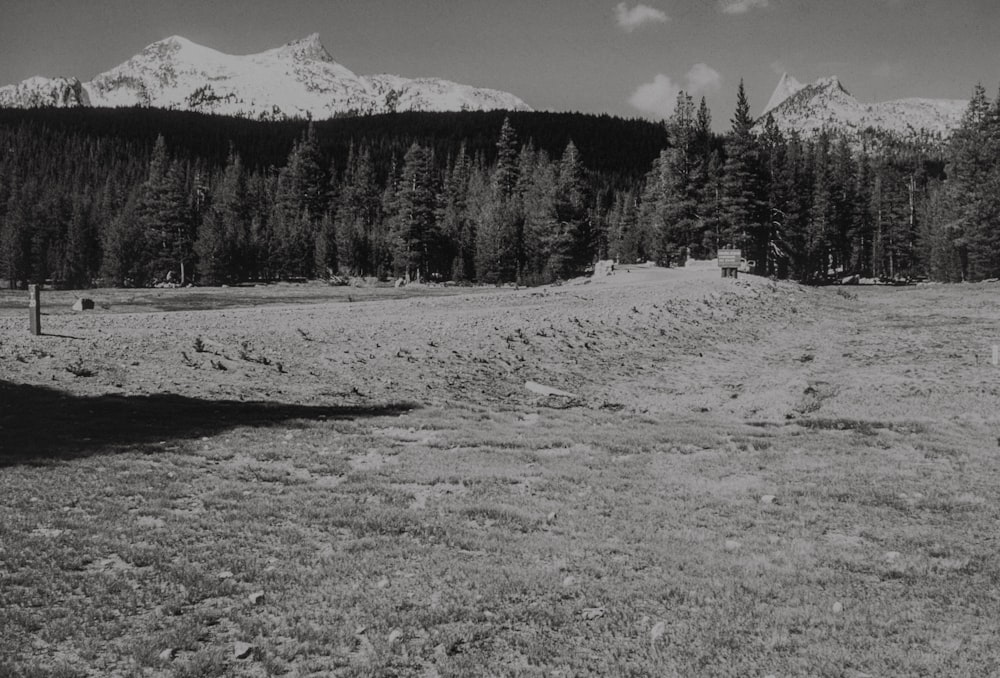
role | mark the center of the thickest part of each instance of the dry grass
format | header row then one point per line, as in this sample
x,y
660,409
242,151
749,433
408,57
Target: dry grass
x,y
818,523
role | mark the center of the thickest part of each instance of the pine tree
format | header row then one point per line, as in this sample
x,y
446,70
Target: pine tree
x,y
844,186
975,183
164,218
500,223
383,242
943,250
703,130
540,217
125,261
261,190
797,181
358,213
625,244
223,244
15,236
822,226
506,174
415,232
968,174
744,209
774,152
681,176
300,203
710,206
455,219
325,252
568,244
861,234
80,258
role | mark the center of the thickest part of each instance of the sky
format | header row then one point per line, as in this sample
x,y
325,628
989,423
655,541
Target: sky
x,y
595,56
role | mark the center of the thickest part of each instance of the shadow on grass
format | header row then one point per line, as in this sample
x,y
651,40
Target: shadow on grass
x,y
39,423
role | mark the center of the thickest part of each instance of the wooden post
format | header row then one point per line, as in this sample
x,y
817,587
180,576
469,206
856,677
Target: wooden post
x,y
34,310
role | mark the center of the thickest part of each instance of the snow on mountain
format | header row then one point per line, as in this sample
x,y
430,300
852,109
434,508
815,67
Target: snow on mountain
x,y
787,87
299,79
827,105
38,91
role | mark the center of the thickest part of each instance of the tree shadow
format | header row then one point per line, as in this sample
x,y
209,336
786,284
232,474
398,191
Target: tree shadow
x,y
39,423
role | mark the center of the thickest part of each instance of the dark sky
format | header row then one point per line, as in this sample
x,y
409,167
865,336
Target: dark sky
x,y
586,55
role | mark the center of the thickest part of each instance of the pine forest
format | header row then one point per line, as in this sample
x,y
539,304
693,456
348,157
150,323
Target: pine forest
x,y
140,197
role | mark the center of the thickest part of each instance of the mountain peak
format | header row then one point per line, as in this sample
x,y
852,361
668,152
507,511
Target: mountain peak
x,y
309,47
297,80
171,45
831,82
826,105
787,87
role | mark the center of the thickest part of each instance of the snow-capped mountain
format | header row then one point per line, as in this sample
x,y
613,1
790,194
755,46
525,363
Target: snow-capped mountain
x,y
35,92
299,79
827,105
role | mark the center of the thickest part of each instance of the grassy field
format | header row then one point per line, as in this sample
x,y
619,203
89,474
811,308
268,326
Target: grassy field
x,y
749,479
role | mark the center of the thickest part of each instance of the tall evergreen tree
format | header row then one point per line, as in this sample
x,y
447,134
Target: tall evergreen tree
x,y
80,262
541,218
973,182
499,227
568,244
744,208
415,236
15,236
455,219
125,261
844,185
358,214
224,241
626,246
164,219
300,203
506,173
822,226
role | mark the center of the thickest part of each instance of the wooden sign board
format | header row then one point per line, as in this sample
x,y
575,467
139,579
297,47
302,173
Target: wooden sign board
x,y
730,258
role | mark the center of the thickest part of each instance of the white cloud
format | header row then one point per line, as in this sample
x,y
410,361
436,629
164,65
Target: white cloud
x,y
742,6
631,19
703,78
659,97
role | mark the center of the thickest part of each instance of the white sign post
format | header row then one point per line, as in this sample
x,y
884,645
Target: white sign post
x,y
34,310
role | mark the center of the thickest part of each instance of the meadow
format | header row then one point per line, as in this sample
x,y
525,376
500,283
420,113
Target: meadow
x,y
739,478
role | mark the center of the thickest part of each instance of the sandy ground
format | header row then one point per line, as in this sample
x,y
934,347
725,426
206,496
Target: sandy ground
x,y
610,340
650,340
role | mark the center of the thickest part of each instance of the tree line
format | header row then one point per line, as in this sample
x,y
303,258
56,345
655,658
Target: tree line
x,y
89,200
